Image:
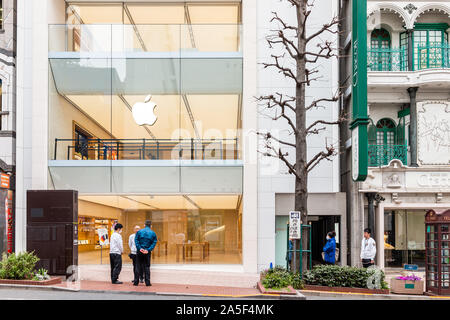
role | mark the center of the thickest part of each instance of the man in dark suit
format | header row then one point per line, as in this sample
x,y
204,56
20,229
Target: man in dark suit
x,y
145,241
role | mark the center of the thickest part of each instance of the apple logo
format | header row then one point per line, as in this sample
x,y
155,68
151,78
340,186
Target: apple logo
x,y
143,112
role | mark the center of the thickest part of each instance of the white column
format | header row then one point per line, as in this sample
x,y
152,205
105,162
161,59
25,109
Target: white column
x,y
249,145
32,107
379,237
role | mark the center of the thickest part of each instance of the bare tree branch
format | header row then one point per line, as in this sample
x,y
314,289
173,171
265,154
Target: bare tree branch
x,y
269,136
325,28
330,152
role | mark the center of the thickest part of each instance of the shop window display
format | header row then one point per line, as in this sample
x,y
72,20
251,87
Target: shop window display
x,y
186,235
404,238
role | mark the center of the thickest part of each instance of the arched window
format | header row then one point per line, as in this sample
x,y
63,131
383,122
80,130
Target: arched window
x,y
380,55
380,38
386,131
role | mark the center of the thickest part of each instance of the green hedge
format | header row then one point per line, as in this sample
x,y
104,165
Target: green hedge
x,y
279,278
342,276
18,266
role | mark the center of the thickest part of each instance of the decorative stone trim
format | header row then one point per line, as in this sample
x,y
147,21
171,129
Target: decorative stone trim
x,y
410,8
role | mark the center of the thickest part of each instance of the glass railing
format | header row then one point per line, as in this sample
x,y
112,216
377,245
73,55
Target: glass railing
x,y
145,38
433,56
381,59
146,149
381,155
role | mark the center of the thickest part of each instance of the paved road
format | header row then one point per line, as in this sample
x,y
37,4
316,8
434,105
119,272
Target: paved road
x,y
34,294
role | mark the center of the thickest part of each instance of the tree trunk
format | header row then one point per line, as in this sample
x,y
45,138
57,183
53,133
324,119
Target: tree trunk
x,y
301,183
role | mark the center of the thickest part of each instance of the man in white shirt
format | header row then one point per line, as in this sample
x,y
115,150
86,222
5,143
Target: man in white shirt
x,y
368,249
132,246
115,253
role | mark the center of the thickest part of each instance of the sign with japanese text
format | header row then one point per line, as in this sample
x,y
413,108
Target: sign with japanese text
x,y
294,224
4,180
359,91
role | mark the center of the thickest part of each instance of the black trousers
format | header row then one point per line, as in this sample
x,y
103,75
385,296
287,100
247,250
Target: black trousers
x,y
143,262
366,263
116,266
135,267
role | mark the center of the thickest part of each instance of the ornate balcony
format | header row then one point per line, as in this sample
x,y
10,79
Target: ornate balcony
x,y
381,155
381,59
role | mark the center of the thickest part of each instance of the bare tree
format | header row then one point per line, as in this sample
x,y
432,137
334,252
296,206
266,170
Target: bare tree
x,y
302,51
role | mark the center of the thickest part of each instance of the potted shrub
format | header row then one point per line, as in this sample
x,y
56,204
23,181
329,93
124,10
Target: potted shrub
x,y
19,268
278,280
410,284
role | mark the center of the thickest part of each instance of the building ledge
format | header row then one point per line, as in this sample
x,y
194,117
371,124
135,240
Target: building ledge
x,y
406,79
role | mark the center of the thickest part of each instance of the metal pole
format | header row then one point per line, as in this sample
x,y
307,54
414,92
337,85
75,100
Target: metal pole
x,y
413,125
287,248
301,250
310,248
56,147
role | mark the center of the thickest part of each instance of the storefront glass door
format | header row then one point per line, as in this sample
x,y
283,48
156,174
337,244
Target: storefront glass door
x,y
404,238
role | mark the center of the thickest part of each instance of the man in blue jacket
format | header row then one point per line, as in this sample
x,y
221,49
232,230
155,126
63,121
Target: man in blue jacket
x,y
145,241
330,248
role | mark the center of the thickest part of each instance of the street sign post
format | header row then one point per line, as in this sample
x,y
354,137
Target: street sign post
x,y
294,225
359,91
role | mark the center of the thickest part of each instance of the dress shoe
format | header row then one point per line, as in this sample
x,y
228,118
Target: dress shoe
x,y
118,282
135,284
148,284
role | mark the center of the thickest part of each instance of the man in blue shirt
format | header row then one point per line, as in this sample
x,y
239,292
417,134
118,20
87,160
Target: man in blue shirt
x,y
145,241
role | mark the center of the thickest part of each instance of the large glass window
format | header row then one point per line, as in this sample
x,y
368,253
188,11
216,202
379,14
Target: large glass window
x,y
191,229
431,48
404,237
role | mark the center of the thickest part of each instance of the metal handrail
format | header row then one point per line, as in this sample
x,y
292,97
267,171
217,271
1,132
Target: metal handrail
x,y
381,155
387,59
300,250
113,148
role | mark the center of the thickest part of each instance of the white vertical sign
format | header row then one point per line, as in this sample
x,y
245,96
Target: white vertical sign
x,y
294,225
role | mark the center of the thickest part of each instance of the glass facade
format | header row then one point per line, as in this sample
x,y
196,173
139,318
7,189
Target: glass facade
x,y
198,229
145,119
404,238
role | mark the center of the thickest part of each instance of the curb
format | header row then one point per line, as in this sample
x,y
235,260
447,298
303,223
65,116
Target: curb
x,y
28,287
298,296
369,296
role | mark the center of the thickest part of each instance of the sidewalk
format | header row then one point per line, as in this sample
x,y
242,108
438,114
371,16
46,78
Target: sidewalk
x,y
160,288
181,275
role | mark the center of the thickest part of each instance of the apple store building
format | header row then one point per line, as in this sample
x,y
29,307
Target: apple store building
x,y
145,122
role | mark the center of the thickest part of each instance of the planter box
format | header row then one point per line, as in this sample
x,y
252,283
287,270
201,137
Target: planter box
x,y
52,281
346,289
288,290
406,286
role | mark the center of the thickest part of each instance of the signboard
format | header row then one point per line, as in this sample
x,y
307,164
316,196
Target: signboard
x,y
103,237
411,267
4,181
359,91
294,225
9,221
355,154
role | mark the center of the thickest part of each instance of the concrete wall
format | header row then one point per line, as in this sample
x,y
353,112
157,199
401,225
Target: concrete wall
x,y
273,178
